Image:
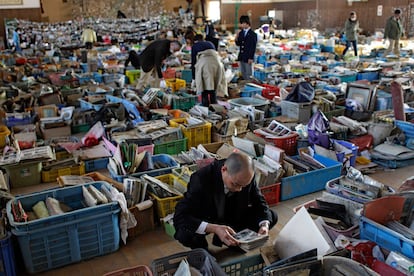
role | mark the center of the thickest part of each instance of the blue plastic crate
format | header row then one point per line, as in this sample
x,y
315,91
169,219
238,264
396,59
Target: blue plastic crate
x,y
186,75
406,127
55,241
309,182
8,267
385,237
250,91
96,164
13,121
97,77
261,75
345,77
370,76
162,158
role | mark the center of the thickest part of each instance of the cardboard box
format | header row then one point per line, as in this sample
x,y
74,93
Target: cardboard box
x,y
55,132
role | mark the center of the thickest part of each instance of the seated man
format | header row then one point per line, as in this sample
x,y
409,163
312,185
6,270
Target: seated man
x,y
222,198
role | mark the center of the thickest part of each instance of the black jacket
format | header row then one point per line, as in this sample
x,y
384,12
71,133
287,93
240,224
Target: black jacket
x,y
205,201
247,45
154,54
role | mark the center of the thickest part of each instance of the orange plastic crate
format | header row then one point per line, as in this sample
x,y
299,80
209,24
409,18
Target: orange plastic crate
x,y
271,193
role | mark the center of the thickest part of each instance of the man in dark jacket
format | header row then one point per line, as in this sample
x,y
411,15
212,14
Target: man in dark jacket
x,y
222,198
246,39
150,61
393,32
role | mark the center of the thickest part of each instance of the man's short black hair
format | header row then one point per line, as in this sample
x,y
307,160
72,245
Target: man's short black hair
x,y
244,19
397,11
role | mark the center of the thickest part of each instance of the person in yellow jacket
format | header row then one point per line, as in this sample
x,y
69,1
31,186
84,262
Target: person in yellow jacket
x,y
88,37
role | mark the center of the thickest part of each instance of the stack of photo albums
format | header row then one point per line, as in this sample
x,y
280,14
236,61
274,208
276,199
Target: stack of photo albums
x,y
249,239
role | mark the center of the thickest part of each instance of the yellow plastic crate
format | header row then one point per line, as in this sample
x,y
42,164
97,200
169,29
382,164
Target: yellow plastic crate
x,y
200,134
52,175
166,205
132,75
175,84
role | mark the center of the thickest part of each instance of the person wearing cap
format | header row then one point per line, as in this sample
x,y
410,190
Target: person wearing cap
x,y
351,33
393,32
246,39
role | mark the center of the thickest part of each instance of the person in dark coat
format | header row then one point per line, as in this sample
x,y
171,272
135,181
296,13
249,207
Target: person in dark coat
x,y
211,34
222,199
246,39
393,32
151,59
351,33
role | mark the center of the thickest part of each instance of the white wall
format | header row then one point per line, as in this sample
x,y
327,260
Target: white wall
x,y
26,5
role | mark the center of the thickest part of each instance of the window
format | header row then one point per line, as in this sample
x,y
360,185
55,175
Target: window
x,y
213,11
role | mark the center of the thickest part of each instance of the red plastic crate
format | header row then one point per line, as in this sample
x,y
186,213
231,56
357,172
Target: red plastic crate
x,y
169,73
271,193
288,142
270,91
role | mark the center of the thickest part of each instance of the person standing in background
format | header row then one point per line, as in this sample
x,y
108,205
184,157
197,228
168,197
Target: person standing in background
x,y
88,37
351,33
16,39
393,32
246,39
211,34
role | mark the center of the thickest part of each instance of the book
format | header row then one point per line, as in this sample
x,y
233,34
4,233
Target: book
x,y
249,239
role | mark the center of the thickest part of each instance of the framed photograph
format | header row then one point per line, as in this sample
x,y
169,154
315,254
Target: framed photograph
x,y
11,2
363,94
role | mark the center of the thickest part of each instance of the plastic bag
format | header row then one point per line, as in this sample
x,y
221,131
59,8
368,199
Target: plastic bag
x,y
318,126
302,92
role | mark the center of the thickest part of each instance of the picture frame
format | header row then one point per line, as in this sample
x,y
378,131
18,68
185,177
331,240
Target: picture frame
x,y
364,94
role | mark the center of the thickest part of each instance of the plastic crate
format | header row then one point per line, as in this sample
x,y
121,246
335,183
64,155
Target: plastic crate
x,y
83,128
298,111
186,75
200,134
338,111
250,91
406,127
383,100
53,174
184,172
8,265
172,148
162,158
96,164
110,78
312,181
287,142
271,193
370,76
14,121
166,206
55,241
184,101
261,75
385,237
270,91
132,75
175,84
346,77
139,270
196,258
85,105
169,73
247,265
24,174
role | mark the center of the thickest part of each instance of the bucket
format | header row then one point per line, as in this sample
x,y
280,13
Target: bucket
x,y
4,132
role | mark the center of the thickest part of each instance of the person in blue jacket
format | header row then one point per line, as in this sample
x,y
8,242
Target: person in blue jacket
x,y
246,39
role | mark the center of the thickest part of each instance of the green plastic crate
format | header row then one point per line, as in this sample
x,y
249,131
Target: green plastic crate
x,y
184,101
248,265
172,148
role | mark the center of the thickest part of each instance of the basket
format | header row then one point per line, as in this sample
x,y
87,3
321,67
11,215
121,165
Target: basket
x,y
172,148
53,174
248,265
184,101
175,84
288,142
145,221
8,266
166,206
271,193
139,270
200,134
167,266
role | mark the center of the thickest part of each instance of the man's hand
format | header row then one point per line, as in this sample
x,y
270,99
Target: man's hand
x,y
225,233
250,61
264,229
